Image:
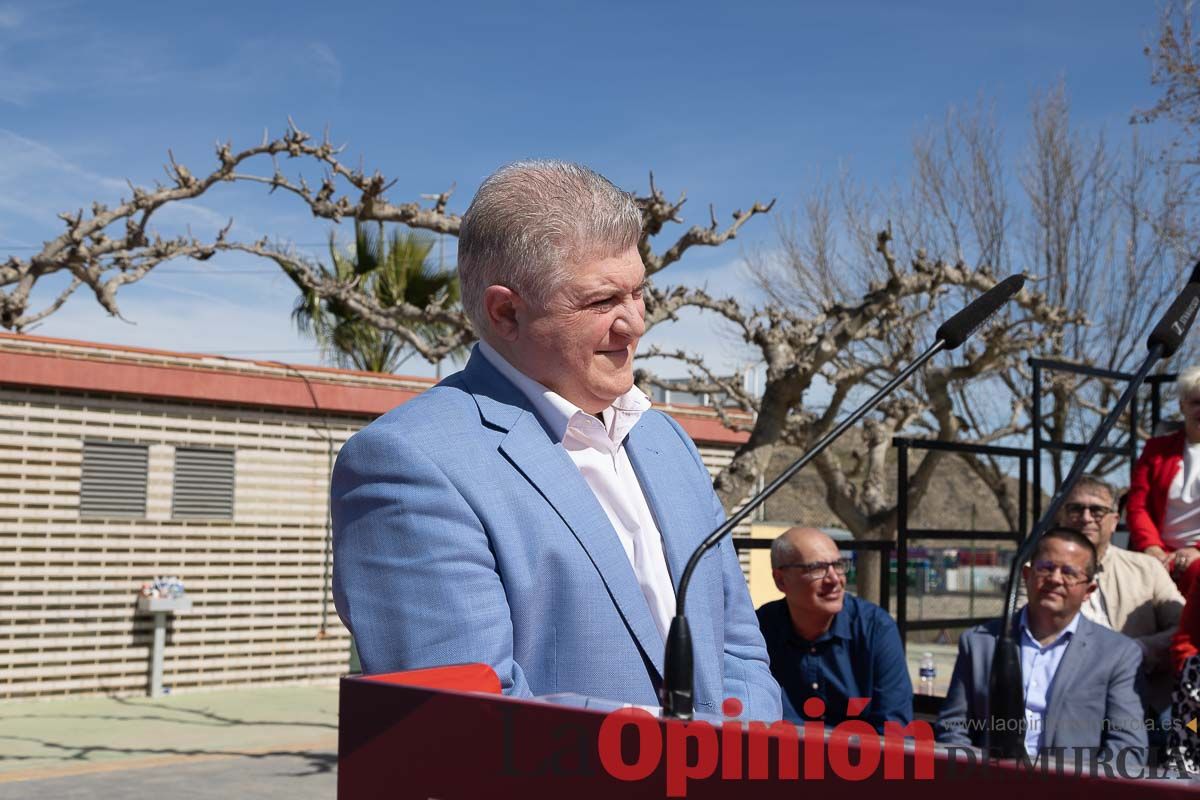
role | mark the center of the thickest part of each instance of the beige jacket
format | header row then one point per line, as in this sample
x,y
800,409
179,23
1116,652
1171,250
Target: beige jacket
x,y
1144,604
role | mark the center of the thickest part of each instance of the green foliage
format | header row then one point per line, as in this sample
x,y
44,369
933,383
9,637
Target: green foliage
x,y
393,269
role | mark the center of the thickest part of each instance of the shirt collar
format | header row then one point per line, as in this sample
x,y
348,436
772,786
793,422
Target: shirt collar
x,y
1072,626
840,627
561,415
841,621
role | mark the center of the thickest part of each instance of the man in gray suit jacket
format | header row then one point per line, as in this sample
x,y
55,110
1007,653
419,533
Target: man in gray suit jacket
x,y
1078,677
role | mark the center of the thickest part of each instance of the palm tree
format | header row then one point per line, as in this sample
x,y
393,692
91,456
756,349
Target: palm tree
x,y
392,269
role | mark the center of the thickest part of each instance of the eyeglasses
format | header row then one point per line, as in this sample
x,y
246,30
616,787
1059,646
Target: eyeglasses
x,y
817,569
1070,575
1077,509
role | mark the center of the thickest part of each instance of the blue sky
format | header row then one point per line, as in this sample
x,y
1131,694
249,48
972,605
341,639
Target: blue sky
x,y
730,104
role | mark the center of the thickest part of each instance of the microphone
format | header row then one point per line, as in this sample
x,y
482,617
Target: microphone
x,y
963,325
678,675
1006,698
1174,325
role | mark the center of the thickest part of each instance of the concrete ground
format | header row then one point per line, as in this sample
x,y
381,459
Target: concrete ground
x,y
270,742
261,742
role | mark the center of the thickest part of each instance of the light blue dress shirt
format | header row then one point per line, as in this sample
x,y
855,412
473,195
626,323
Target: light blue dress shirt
x,y
1038,665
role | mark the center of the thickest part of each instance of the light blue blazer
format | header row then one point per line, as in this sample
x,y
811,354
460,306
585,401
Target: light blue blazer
x,y
462,532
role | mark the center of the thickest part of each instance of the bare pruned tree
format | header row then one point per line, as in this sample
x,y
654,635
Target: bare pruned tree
x,y
854,289
845,347
1104,228
1175,70
108,248
856,285
1107,227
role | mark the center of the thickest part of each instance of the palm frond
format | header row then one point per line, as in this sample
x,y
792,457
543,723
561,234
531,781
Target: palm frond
x,y
392,269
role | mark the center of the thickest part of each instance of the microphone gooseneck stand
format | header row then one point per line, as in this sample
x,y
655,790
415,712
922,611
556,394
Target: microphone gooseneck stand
x,y
678,673
1004,735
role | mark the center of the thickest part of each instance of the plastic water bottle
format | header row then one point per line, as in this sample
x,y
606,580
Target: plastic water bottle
x,y
928,674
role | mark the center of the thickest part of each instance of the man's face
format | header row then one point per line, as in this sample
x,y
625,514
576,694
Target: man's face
x,y
1084,511
1054,592
814,599
581,344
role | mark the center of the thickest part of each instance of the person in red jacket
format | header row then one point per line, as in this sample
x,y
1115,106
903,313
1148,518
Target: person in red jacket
x,y
1186,639
1163,511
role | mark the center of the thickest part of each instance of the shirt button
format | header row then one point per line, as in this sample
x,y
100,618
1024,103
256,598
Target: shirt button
x,y
815,687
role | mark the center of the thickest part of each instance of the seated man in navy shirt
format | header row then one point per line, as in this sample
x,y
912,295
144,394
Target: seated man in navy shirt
x,y
827,644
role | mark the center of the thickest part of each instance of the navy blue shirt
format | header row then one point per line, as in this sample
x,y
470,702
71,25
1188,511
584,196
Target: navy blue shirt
x,y
859,656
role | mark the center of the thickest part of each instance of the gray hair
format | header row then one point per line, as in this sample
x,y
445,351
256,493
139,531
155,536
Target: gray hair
x,y
1096,483
1188,384
530,222
782,551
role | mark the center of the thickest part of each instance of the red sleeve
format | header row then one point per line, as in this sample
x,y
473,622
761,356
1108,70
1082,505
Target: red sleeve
x,y
1187,636
1143,532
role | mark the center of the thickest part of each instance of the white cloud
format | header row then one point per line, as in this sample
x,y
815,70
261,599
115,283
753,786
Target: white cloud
x,y
173,312
36,182
11,17
216,308
18,87
259,64
327,62
230,304
200,220
33,41
23,156
182,325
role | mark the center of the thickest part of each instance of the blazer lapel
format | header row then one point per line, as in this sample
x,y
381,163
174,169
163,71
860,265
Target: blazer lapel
x,y
658,475
548,468
655,477
1072,664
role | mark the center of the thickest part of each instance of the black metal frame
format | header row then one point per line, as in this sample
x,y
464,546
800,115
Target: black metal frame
x,y
1155,382
904,533
1040,444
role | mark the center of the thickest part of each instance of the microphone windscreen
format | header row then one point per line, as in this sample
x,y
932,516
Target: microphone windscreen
x,y
1172,329
959,328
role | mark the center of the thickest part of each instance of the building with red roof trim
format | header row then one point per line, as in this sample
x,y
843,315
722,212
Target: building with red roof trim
x,y
120,465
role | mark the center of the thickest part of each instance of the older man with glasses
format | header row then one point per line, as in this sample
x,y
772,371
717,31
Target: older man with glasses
x,y
1134,594
826,645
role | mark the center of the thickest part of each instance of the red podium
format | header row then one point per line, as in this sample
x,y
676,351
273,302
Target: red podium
x,y
449,734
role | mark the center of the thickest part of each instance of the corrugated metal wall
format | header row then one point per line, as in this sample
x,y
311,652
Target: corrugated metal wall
x,y
68,584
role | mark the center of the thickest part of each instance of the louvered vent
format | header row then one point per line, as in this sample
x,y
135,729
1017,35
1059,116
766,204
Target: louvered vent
x,y
113,482
203,484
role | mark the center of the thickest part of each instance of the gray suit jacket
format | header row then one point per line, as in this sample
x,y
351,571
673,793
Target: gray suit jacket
x,y
1093,702
1143,604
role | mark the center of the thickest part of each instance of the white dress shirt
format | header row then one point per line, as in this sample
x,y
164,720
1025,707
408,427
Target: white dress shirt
x,y
597,448
1181,524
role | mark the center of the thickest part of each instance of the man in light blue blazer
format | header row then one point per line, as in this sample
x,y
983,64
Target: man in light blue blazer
x,y
530,512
